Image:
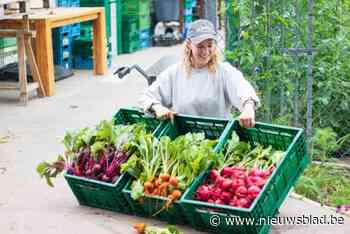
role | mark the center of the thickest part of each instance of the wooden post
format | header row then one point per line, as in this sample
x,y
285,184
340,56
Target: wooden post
x,y
34,70
43,44
22,71
99,44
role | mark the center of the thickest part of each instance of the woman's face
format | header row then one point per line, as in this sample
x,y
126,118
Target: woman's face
x,y
202,52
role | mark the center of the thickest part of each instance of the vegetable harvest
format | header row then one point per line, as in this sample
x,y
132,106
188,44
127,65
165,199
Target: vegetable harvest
x,y
94,153
241,176
167,167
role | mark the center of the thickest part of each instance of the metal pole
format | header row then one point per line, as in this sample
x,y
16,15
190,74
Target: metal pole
x,y
309,74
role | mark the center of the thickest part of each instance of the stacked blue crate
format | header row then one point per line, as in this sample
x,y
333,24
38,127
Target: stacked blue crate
x,y
145,38
63,37
62,48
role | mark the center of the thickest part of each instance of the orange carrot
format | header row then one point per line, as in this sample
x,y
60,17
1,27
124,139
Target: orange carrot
x,y
165,177
156,192
140,228
157,182
148,185
176,194
164,186
173,181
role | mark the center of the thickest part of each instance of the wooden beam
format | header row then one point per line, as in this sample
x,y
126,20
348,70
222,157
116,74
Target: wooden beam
x,y
73,20
5,2
14,33
7,85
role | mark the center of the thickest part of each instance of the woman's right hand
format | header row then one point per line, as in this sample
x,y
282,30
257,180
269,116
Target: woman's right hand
x,y
163,112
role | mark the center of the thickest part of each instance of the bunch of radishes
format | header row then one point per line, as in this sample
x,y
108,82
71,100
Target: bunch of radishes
x,y
242,174
233,186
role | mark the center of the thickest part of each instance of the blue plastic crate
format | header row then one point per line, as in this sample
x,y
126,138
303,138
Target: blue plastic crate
x,y
62,30
144,34
145,43
66,63
63,3
74,3
62,53
61,40
86,63
75,30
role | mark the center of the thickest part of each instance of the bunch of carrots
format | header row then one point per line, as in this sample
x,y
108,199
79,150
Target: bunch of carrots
x,y
164,186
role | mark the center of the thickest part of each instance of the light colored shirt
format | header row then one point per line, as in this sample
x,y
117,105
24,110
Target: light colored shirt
x,y
202,93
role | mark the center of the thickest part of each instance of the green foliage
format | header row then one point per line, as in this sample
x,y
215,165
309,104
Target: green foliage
x,y
324,142
325,184
185,157
259,32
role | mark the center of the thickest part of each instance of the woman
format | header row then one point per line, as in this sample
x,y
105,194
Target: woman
x,y
201,85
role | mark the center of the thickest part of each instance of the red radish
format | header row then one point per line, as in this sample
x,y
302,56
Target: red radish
x,y
226,184
216,193
241,191
213,174
232,203
211,200
256,180
226,197
253,191
236,183
243,203
219,202
257,172
218,182
236,168
239,175
203,193
227,172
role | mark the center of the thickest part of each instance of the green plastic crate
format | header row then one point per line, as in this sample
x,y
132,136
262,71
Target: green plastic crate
x,y
108,196
6,42
136,7
99,194
132,116
290,140
213,129
107,8
144,22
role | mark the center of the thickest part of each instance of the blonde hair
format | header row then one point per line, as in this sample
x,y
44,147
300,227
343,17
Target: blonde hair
x,y
189,63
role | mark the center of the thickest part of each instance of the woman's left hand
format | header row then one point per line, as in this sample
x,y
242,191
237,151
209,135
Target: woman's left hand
x,y
247,117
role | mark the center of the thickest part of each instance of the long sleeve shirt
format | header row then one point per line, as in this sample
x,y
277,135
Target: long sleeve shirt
x,y
202,93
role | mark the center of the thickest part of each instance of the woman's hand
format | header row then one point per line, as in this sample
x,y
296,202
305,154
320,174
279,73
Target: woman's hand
x,y
163,112
247,117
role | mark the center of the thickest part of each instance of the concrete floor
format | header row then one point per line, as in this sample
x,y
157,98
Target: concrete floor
x,y
28,206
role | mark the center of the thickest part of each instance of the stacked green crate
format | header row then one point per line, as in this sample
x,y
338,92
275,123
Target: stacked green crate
x,y
6,42
135,18
8,50
107,7
119,31
82,47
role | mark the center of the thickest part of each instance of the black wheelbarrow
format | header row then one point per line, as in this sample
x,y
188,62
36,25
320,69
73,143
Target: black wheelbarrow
x,y
152,72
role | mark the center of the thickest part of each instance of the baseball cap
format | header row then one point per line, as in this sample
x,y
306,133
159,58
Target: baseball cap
x,y
201,30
